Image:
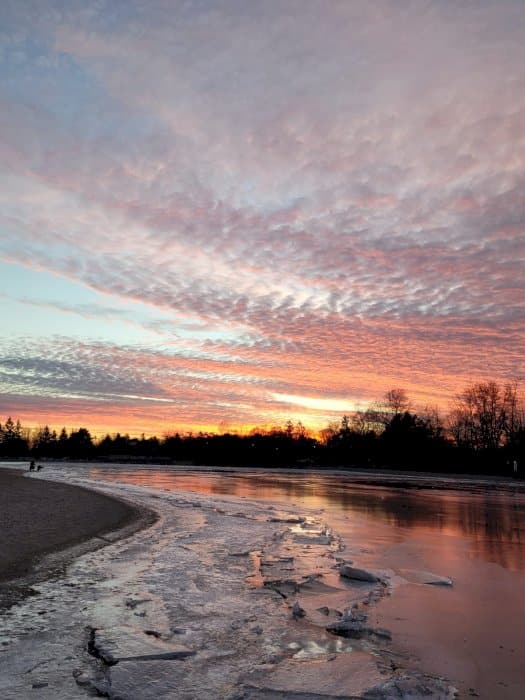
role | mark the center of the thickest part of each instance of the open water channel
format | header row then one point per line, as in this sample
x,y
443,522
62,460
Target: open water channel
x,y
473,632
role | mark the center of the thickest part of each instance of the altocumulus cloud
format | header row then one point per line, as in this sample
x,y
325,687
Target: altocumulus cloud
x,y
311,200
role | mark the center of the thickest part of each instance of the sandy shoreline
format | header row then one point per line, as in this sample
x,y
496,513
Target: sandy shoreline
x,y
44,524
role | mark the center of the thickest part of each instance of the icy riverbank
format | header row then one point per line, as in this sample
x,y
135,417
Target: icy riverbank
x,y
222,597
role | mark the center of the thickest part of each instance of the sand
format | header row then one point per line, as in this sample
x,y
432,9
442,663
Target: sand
x,y
40,517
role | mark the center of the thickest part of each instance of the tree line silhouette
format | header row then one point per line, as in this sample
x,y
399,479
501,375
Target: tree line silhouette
x,y
484,432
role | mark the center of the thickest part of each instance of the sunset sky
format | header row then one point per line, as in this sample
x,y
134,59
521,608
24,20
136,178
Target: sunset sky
x,y
220,214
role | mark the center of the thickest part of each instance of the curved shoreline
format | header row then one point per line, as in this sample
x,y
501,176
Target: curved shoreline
x,y
44,524
144,599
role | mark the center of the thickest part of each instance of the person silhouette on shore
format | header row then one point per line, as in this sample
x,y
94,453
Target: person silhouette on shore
x,y
32,466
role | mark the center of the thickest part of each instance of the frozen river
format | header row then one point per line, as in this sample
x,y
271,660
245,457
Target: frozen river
x,y
198,587
474,632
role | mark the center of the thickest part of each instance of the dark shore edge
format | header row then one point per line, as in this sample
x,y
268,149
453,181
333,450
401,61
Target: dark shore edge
x,y
51,562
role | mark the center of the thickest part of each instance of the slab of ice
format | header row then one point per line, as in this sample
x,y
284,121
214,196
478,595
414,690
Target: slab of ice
x,y
356,574
344,676
425,577
129,644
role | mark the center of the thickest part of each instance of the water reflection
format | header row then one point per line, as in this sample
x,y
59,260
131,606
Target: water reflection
x,y
494,523
470,632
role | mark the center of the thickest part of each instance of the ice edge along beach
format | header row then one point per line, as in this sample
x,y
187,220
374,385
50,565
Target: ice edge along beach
x,y
221,597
